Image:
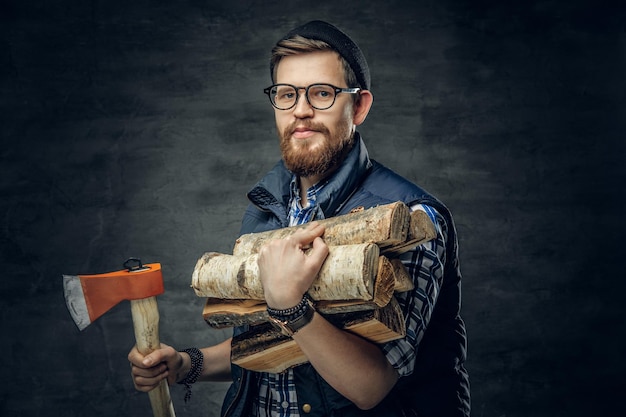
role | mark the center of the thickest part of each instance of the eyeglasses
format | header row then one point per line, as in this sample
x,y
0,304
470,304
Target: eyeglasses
x,y
319,96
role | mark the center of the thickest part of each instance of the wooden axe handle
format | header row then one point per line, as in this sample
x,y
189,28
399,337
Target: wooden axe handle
x,y
146,324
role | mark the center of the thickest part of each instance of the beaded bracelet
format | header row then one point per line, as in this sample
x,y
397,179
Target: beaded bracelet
x,y
197,361
292,312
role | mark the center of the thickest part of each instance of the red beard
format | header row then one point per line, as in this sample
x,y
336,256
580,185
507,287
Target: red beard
x,y
303,161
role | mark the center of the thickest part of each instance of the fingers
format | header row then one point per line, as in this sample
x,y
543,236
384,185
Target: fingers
x,y
147,379
319,252
149,370
308,234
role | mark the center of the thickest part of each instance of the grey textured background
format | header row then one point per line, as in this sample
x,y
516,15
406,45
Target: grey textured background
x,y
134,128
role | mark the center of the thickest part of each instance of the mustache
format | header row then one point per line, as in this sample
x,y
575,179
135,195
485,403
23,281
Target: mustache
x,y
318,127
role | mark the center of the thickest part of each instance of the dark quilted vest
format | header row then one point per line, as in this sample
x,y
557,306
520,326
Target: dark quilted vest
x,y
439,385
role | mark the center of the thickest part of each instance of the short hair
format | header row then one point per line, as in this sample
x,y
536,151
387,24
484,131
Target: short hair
x,y
297,45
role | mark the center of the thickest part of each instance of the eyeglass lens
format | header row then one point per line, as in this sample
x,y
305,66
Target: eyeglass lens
x,y
320,96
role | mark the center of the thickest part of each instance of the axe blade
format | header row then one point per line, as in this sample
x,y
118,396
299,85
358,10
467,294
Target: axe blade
x,y
75,300
90,296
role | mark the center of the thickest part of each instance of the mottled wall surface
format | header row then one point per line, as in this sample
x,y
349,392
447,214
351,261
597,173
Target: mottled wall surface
x,y
136,128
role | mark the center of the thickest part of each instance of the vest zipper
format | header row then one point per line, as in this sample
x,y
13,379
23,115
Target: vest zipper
x,y
237,394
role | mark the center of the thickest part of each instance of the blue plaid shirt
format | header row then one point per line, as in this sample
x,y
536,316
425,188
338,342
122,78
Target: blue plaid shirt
x,y
297,213
277,392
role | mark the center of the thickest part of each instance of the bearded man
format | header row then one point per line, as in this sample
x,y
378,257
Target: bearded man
x,y
321,93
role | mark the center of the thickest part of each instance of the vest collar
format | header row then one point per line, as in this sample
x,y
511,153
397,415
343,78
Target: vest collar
x,y
273,191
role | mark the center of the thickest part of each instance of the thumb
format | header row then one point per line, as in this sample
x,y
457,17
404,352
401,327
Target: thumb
x,y
157,356
151,359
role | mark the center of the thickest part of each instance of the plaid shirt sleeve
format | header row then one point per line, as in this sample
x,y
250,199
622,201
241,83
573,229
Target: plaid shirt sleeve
x,y
425,266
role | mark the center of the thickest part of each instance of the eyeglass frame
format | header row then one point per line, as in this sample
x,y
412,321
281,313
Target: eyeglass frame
x,y
338,90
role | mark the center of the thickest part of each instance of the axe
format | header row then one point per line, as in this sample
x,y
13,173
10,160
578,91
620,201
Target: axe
x,y
90,296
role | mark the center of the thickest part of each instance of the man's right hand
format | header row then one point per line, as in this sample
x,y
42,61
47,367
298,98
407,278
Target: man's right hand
x,y
148,371
288,267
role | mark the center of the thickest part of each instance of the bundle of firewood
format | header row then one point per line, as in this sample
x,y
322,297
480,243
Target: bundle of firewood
x,y
353,290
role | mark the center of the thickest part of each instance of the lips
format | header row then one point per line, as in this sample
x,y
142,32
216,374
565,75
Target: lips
x,y
303,132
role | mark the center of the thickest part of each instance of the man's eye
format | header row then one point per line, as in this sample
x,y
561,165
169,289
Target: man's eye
x,y
322,94
285,95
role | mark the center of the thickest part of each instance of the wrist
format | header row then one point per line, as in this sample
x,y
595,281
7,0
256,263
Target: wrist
x,y
290,312
291,320
283,301
185,366
196,363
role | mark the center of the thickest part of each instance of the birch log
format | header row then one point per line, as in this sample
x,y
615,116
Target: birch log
x,y
385,225
392,277
265,349
349,272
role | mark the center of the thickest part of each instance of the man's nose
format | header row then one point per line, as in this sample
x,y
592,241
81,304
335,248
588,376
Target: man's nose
x,y
302,108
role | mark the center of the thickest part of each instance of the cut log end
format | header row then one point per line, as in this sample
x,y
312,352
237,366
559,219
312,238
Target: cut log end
x,y
402,280
421,230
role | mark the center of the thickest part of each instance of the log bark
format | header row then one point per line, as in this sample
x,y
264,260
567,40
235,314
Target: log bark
x,y
265,349
349,272
385,225
221,314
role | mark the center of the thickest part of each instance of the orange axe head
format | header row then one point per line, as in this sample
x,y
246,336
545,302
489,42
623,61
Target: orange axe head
x,y
90,296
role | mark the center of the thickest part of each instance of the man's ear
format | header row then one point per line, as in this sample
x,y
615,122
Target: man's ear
x,y
362,108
